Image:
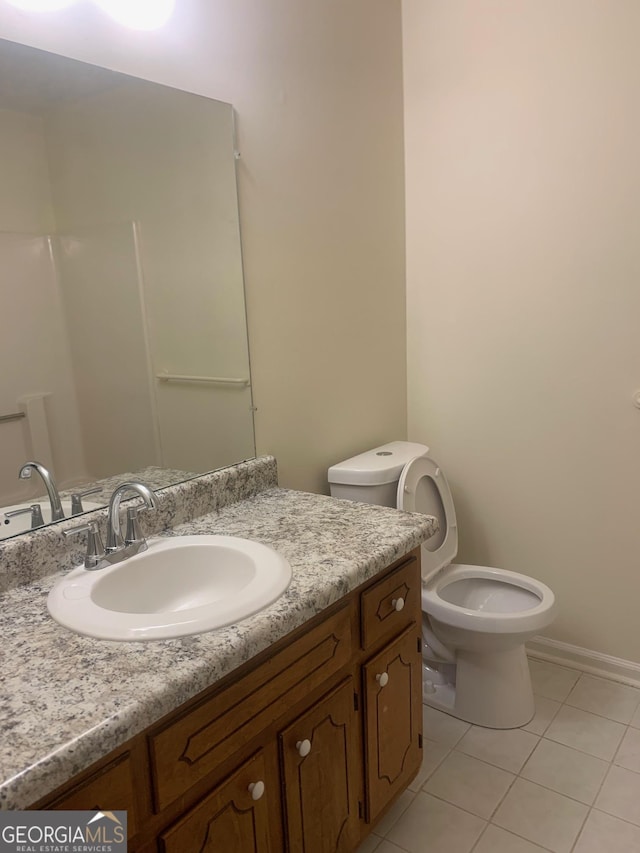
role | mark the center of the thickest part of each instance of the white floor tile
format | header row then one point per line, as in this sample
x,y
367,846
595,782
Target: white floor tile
x,y
607,698
432,826
471,784
433,754
370,844
628,754
496,840
506,748
566,771
551,681
467,775
620,794
392,816
586,732
605,834
541,816
388,847
546,709
442,727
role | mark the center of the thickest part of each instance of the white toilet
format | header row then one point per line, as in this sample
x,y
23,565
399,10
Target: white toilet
x,y
476,619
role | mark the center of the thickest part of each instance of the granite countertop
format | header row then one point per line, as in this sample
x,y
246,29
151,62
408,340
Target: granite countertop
x,y
68,700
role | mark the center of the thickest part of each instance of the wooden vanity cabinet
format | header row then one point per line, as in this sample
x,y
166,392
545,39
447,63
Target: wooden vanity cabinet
x,y
300,750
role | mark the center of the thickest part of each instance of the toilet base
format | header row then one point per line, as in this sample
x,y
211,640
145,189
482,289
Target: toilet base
x,y
491,690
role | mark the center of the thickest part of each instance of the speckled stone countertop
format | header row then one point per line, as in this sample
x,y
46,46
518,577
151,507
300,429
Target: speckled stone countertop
x,y
68,700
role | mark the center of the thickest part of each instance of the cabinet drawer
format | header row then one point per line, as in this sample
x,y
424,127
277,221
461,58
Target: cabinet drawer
x,y
229,818
192,746
380,617
109,789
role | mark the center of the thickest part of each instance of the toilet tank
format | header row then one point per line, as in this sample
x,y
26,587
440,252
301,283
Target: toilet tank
x,y
372,477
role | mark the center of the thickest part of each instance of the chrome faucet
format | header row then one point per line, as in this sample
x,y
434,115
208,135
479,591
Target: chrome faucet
x,y
115,542
117,548
54,498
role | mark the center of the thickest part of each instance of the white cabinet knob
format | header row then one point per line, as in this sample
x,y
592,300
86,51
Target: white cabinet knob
x,y
256,789
382,679
397,603
303,747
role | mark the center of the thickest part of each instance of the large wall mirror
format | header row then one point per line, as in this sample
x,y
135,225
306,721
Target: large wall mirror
x,y
123,337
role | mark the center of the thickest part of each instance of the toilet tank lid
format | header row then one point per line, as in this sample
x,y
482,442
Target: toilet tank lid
x,y
375,467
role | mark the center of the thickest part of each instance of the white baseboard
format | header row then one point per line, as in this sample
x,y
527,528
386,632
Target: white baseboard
x,y
586,660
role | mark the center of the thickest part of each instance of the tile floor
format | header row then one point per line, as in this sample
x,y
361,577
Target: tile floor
x,y
568,782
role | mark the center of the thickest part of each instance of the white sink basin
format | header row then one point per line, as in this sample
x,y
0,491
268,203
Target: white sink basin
x,y
22,523
181,585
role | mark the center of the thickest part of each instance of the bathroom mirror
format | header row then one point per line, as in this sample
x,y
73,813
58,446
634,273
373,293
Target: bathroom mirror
x,y
123,338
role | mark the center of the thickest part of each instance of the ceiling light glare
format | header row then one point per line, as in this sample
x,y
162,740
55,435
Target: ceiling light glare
x,y
41,5
139,14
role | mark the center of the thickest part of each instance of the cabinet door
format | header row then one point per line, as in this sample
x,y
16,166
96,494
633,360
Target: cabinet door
x,y
235,817
320,763
109,788
393,719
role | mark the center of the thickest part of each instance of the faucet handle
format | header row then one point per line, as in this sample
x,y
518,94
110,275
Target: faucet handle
x,y
36,515
76,499
95,548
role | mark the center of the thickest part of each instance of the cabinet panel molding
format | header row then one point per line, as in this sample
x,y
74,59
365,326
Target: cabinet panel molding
x,y
192,746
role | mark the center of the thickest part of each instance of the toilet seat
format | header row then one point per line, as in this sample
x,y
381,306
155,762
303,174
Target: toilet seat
x,y
422,487
488,600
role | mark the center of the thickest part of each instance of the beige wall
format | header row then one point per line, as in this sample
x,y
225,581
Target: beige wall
x,y
523,210
317,87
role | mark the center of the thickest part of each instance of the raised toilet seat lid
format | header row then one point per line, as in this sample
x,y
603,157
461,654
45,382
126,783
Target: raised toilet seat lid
x,y
423,488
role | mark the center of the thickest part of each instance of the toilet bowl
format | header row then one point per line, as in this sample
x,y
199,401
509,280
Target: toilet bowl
x,y
476,619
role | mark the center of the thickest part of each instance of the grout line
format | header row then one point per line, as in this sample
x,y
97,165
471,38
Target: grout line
x,y
590,807
582,751
600,715
617,817
579,832
524,779
439,763
376,831
479,838
524,838
503,798
442,799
